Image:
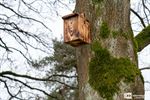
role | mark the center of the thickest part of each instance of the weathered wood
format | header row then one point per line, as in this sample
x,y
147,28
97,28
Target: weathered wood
x,y
76,30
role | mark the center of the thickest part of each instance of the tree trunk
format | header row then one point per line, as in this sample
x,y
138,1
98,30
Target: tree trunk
x,y
110,26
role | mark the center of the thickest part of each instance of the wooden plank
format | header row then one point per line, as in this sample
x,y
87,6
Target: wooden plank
x,y
71,29
84,29
70,15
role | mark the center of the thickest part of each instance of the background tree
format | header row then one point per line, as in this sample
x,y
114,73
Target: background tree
x,y
64,61
25,34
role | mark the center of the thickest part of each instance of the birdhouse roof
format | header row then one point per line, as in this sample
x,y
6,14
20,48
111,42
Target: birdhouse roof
x,y
70,15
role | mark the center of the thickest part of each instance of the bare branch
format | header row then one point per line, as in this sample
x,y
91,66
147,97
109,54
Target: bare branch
x,y
25,17
30,7
145,68
145,8
18,38
34,78
147,82
13,79
15,25
28,60
8,90
55,75
5,46
140,18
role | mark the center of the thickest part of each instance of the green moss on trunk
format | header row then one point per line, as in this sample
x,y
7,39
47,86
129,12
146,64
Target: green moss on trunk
x,y
104,30
115,34
143,38
96,1
106,72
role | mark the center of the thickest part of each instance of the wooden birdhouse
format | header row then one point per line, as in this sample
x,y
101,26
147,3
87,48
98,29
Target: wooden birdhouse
x,y
76,29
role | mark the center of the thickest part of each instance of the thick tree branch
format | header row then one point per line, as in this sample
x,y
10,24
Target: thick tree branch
x,y
33,78
6,73
143,38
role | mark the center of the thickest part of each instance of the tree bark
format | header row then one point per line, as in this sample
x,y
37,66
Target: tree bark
x,y
143,38
119,43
